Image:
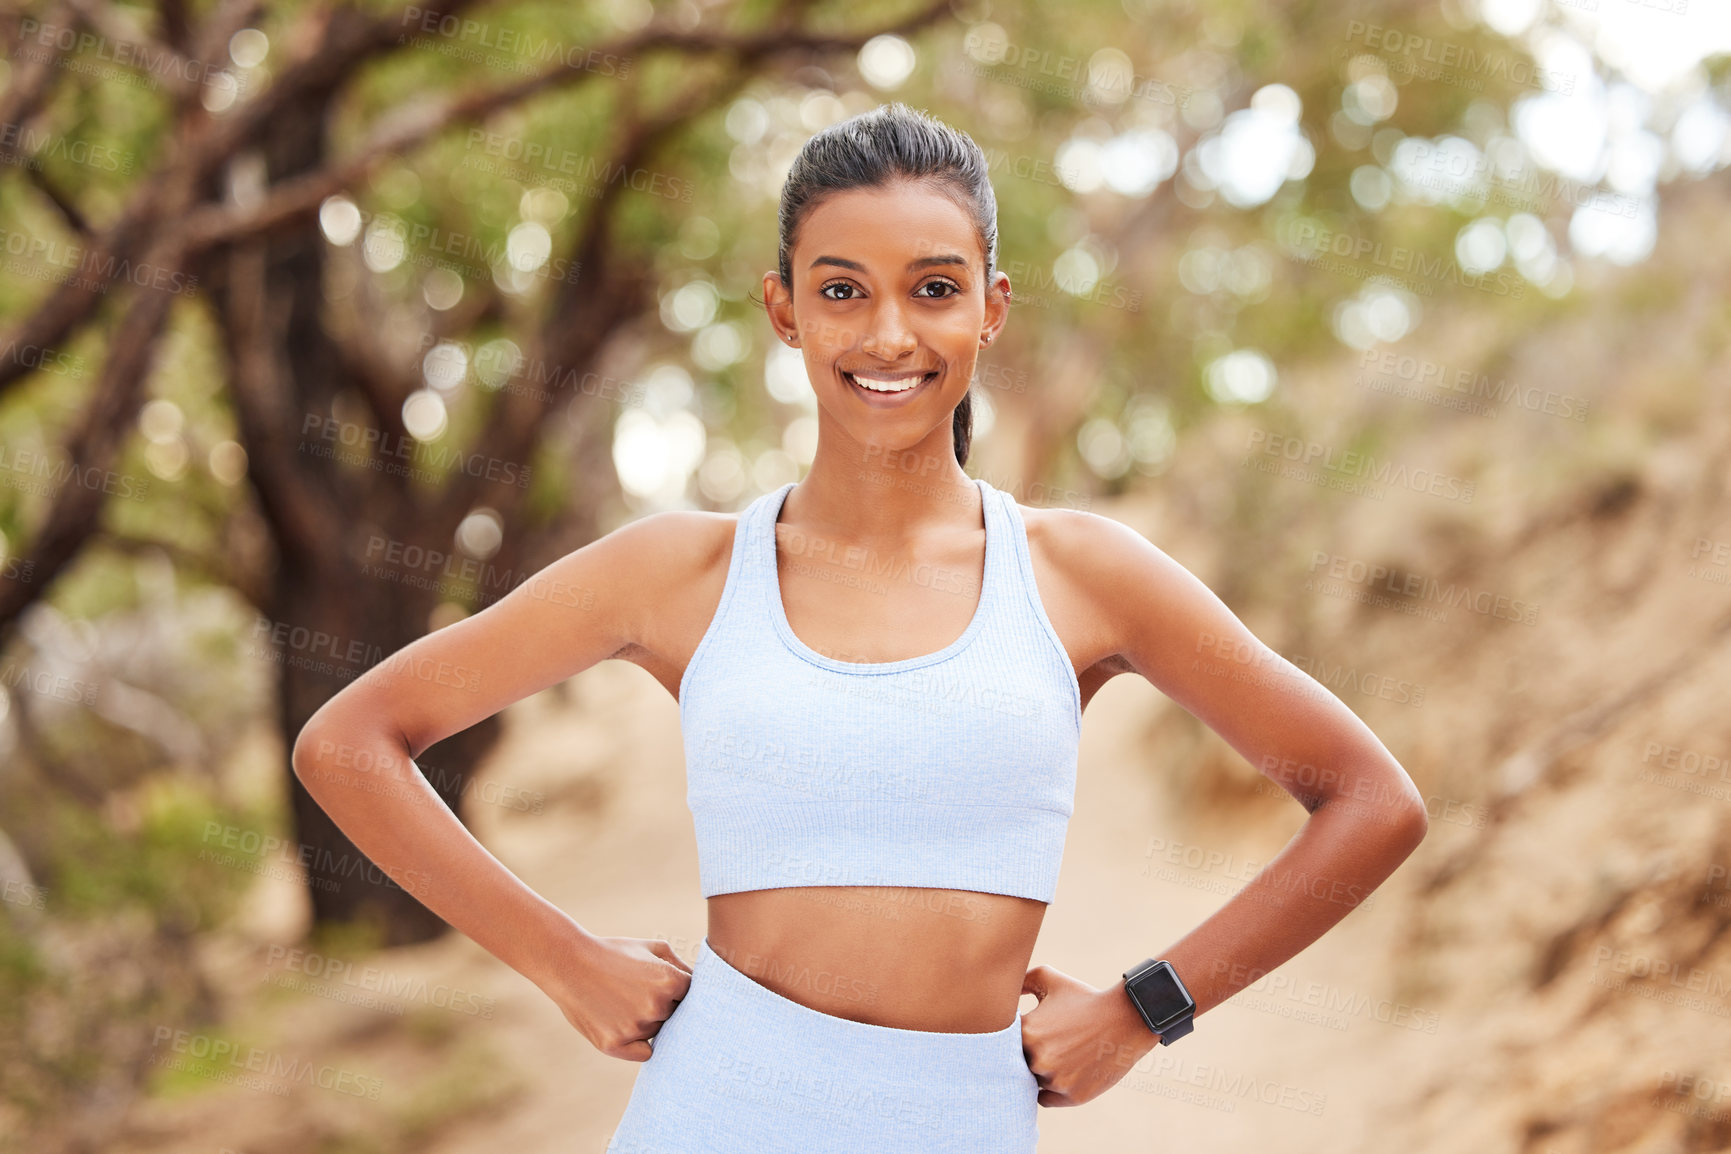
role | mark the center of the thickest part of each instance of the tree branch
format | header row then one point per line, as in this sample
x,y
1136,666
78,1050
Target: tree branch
x,y
123,30
416,125
188,561
331,48
385,385
75,219
584,313
94,446
201,148
299,503
172,23
33,73
209,42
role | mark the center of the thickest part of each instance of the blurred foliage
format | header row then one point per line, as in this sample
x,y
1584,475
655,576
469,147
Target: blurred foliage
x,y
170,865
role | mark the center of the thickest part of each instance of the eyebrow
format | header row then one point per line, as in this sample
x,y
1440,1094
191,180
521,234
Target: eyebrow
x,y
923,262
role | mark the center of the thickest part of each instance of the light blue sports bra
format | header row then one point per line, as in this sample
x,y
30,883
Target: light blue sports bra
x,y
953,770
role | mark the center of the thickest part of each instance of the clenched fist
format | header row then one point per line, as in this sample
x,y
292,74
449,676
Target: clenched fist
x,y
1079,1041
618,991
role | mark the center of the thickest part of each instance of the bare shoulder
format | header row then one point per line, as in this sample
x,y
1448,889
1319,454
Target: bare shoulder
x,y
1121,596
1094,553
675,545
668,564
1085,566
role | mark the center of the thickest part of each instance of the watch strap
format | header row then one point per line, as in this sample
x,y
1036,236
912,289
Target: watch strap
x,y
1174,1032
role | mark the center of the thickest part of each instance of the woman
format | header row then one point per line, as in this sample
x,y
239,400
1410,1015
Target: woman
x,y
881,672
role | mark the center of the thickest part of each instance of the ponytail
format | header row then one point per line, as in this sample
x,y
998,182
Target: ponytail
x,y
963,426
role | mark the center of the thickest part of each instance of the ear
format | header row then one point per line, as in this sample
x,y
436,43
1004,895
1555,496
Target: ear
x,y
778,303
997,307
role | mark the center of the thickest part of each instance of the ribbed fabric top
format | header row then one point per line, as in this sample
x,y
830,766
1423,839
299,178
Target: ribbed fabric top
x,y
952,770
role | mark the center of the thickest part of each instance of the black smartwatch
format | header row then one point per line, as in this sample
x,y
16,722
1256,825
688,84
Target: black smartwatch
x,y
1160,997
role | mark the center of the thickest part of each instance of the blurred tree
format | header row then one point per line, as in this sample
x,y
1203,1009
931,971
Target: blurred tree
x,y
345,444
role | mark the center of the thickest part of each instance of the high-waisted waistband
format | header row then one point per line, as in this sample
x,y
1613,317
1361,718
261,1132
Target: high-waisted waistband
x,y
738,1067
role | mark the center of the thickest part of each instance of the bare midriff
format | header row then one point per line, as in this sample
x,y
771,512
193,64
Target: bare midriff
x,y
942,960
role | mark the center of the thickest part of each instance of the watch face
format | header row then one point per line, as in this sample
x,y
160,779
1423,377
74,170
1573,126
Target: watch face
x,y
1160,993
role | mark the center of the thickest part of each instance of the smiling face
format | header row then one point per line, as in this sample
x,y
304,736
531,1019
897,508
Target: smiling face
x,y
890,307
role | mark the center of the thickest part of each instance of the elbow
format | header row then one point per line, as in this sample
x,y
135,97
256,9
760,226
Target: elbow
x,y
331,747
1396,826
303,757
1409,827
327,732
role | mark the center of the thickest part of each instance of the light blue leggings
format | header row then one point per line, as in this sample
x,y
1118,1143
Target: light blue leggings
x,y
739,1069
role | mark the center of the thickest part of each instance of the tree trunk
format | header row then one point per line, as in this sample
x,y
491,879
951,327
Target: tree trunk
x,y
330,617
316,632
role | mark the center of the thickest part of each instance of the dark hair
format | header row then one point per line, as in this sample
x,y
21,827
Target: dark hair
x,y
869,151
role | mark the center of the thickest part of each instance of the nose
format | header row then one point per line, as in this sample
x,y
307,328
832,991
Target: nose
x,y
888,336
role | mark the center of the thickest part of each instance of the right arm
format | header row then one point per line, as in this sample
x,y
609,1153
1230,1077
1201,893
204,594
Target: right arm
x,y
355,758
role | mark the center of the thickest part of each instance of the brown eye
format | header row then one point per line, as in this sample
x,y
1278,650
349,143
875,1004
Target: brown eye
x,y
824,291
940,284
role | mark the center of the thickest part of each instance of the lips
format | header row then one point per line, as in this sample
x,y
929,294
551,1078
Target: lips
x,y
888,383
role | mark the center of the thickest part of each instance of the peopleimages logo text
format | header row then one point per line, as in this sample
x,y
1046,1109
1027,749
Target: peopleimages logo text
x,y
1421,587
1361,465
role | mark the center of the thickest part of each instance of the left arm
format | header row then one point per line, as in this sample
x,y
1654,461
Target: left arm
x,y
1366,816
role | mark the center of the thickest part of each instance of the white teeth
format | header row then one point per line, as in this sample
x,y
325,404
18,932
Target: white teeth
x,y
892,385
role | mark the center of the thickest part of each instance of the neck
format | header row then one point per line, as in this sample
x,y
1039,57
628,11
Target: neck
x,y
873,493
